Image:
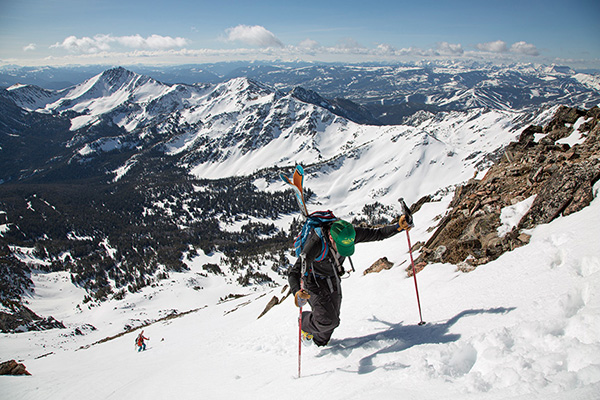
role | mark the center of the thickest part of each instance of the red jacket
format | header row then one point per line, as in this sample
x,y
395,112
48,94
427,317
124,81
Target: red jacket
x,y
140,339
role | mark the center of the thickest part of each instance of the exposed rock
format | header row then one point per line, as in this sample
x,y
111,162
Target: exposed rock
x,y
524,238
418,268
566,191
561,177
379,266
13,368
417,206
274,301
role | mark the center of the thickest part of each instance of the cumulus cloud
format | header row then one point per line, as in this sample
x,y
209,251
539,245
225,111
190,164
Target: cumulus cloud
x,y
384,48
498,46
266,46
524,48
155,42
253,35
30,47
449,49
105,42
308,44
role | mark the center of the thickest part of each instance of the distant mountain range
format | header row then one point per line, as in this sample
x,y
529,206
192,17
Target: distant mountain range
x,y
120,177
209,128
389,93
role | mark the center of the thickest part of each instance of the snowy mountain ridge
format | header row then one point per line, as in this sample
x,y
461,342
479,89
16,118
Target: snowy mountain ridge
x,y
195,261
443,86
211,126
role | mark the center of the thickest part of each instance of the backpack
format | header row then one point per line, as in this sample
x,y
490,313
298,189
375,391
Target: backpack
x,y
315,221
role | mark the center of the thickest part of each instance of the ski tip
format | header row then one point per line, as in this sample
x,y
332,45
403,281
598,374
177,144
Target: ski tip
x,y
285,178
300,169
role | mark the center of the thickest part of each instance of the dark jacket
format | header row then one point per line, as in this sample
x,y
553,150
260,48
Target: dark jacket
x,y
325,268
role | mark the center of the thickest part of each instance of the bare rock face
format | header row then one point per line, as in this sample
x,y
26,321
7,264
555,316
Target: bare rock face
x,y
13,368
541,164
565,192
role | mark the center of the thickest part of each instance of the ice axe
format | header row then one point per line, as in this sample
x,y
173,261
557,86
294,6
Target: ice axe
x,y
409,220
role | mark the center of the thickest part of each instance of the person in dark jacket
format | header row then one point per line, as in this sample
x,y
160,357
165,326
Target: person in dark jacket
x,y
321,279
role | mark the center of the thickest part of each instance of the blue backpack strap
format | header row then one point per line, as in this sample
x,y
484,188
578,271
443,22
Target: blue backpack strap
x,y
324,244
314,222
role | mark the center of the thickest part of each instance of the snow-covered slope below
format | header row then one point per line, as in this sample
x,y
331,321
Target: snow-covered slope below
x,y
524,326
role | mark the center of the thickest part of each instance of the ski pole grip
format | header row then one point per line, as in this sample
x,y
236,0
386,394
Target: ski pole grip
x,y
406,212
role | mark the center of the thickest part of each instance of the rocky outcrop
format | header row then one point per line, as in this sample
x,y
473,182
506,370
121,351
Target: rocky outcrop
x,y
559,172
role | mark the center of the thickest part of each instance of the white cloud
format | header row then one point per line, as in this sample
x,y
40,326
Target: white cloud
x,y
30,47
82,45
253,35
524,48
385,49
308,44
349,43
498,46
165,49
154,42
101,43
414,52
449,49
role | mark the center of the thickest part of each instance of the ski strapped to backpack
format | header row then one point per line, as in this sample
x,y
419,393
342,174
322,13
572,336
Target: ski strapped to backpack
x,y
315,221
297,185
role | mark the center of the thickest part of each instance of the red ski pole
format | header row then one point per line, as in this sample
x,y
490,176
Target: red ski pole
x,y
299,343
415,277
300,322
409,220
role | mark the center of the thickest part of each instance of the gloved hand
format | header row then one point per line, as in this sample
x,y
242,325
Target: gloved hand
x,y
301,298
402,224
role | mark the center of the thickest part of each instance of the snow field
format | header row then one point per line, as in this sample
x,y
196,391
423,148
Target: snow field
x,y
525,326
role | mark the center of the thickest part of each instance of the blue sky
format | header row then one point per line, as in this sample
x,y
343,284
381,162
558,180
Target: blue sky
x,y
56,32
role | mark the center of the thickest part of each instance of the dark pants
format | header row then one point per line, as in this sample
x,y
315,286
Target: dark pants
x,y
325,302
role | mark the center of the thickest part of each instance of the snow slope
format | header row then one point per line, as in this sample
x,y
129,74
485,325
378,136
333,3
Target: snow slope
x,y
526,326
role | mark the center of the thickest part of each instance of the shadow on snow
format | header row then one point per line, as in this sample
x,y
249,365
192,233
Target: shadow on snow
x,y
402,338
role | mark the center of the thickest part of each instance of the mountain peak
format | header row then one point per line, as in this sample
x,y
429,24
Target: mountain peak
x,y
119,76
117,72
16,86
